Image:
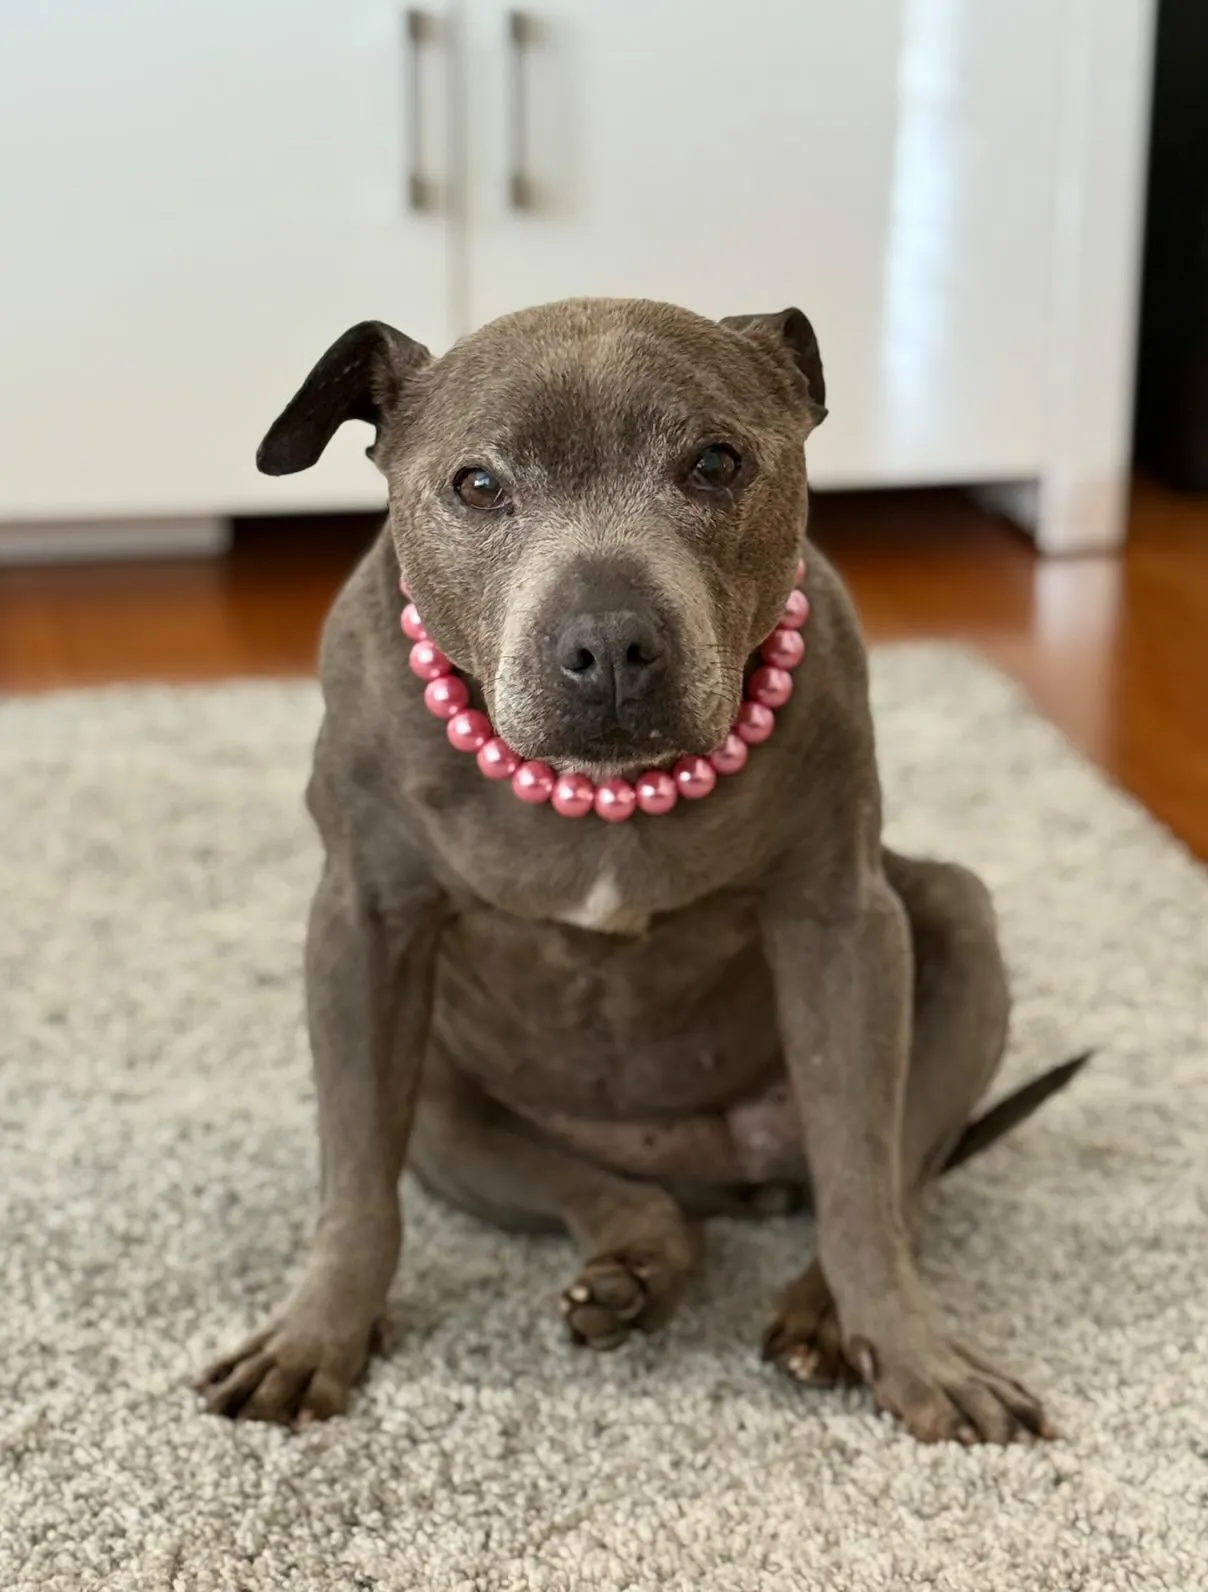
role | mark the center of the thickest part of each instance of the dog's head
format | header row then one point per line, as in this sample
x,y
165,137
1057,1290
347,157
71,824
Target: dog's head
x,y
598,505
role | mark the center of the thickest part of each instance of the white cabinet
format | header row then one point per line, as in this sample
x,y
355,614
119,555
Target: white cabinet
x,y
195,200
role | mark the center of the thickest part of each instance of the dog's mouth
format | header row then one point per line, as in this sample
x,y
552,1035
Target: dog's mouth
x,y
617,760
605,754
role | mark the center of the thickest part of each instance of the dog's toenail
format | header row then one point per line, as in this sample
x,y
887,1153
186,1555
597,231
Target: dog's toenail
x,y
861,1356
802,1363
579,1294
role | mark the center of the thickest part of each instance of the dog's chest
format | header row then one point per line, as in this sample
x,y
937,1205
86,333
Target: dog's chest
x,y
604,910
549,1015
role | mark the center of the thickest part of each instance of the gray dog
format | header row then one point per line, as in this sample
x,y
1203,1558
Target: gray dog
x,y
736,999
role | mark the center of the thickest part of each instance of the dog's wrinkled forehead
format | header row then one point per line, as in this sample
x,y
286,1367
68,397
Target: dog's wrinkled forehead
x,y
580,416
573,392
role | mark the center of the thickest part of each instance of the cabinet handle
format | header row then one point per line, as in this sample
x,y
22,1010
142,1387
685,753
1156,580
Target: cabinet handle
x,y
415,34
520,186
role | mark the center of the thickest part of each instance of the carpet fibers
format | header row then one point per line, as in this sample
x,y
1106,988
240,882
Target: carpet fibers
x,y
157,1168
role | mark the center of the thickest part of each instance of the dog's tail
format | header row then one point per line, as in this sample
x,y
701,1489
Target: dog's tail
x,y
983,1131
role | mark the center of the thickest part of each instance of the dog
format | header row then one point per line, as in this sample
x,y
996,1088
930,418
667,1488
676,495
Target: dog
x,y
593,948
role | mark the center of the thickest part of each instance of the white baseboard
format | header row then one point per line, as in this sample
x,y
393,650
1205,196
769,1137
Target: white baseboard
x,y
97,541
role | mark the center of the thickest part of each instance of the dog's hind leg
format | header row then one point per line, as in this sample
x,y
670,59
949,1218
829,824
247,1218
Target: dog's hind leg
x,y
638,1245
961,1009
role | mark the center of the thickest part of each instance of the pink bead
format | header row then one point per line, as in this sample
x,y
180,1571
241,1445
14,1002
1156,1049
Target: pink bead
x,y
754,723
468,731
428,661
574,796
800,575
403,586
616,800
446,695
413,625
533,783
784,649
694,777
656,793
796,611
772,687
731,755
497,760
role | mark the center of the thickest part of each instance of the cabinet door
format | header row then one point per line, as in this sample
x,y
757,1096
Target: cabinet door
x,y
885,164
194,201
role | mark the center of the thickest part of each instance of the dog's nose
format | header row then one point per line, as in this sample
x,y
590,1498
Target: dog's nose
x,y
610,657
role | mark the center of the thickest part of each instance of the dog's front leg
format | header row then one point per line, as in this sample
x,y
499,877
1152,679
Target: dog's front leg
x,y
844,995
368,982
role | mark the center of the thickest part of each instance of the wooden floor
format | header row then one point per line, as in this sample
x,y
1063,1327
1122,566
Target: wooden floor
x,y
1114,649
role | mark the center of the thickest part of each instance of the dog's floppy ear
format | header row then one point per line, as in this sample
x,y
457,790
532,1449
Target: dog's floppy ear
x,y
788,332
360,377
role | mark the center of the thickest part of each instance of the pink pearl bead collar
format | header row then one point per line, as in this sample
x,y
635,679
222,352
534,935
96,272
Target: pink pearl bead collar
x,y
573,795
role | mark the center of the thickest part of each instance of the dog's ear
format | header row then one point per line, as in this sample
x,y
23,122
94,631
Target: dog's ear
x,y
789,333
361,377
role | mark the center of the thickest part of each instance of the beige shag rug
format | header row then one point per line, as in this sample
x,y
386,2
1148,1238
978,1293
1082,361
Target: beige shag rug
x,y
157,1171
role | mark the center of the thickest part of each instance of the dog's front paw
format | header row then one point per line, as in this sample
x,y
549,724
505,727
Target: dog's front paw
x,y
291,1373
616,1293
943,1391
939,1389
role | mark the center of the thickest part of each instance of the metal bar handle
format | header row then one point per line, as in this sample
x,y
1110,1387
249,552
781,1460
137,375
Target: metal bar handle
x,y
415,33
520,186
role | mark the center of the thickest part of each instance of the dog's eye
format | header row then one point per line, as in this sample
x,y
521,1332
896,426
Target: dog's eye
x,y
715,468
478,488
